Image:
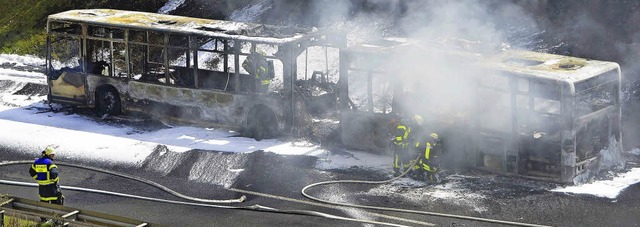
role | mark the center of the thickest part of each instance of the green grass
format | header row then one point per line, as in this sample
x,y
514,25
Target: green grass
x,y
14,221
23,22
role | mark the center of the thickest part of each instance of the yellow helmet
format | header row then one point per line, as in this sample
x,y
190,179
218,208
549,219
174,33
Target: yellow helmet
x,y
434,136
418,119
50,150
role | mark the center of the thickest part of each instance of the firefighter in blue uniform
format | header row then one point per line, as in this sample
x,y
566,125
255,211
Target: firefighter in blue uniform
x,y
45,172
404,136
428,165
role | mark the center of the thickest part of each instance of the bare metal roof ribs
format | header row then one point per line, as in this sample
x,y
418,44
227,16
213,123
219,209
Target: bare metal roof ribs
x,y
270,34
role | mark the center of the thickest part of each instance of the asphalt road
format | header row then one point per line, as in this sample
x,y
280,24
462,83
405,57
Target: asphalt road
x,y
155,212
498,197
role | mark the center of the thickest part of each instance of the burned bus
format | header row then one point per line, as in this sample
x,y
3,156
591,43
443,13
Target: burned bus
x,y
515,112
187,70
538,115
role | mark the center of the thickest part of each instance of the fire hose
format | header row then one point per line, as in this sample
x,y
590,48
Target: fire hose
x,y
203,202
154,184
258,207
398,209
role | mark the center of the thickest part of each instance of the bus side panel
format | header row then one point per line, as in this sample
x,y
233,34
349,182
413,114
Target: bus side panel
x,y
183,104
69,88
366,131
197,106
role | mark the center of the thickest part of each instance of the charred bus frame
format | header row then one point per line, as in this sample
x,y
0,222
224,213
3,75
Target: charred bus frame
x,y
180,68
538,115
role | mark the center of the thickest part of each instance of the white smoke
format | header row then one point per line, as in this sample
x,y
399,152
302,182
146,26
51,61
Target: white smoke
x,y
251,12
171,5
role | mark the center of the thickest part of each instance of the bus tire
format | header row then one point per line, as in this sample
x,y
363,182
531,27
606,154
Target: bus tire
x,y
107,102
261,123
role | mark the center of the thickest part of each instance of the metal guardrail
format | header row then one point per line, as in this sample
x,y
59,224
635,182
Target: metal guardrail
x,y
63,215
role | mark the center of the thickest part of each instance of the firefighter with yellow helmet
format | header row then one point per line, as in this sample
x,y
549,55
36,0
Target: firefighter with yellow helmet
x,y
258,66
45,172
401,144
428,165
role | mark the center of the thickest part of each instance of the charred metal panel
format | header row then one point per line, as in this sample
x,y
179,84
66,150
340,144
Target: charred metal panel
x,y
190,105
70,87
592,136
539,157
491,148
366,130
94,81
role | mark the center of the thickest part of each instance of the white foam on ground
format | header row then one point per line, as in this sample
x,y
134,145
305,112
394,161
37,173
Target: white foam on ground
x,y
79,136
33,128
345,160
605,188
451,192
20,76
21,60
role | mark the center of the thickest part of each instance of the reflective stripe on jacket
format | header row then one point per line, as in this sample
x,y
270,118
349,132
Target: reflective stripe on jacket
x,y
49,192
402,133
257,64
426,160
46,172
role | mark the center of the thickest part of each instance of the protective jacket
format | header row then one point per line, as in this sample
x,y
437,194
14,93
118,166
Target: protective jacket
x,y
45,172
258,65
429,163
429,159
400,144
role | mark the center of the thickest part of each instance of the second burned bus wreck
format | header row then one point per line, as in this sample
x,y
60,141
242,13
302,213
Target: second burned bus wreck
x,y
532,114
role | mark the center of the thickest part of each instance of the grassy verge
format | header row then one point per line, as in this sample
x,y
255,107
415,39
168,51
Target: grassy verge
x,y
10,221
23,22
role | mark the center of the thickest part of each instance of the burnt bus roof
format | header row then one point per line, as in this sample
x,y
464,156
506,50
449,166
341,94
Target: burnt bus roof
x,y
521,62
270,34
551,66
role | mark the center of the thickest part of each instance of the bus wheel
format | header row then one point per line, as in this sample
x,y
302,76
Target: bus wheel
x,y
107,102
261,123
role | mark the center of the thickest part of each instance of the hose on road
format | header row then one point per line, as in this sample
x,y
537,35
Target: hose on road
x,y
255,207
154,184
401,210
258,207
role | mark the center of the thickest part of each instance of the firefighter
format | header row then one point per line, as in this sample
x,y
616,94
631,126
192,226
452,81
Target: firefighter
x,y
257,65
428,165
45,172
403,137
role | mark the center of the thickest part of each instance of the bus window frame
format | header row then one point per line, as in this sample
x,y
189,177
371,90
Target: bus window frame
x,y
227,44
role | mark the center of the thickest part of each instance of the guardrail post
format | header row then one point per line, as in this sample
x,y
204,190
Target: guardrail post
x,y
73,213
6,202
